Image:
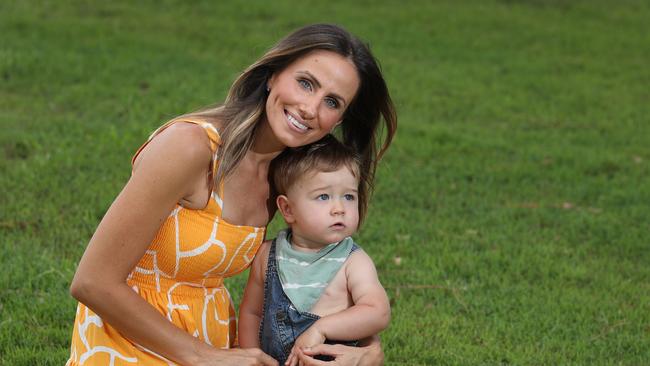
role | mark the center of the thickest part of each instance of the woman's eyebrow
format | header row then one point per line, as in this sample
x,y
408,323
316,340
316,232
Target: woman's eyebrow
x,y
315,80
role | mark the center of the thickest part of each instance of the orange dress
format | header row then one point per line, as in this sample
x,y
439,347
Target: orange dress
x,y
181,275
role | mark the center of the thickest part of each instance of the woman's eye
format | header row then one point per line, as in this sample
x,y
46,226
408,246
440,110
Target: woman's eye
x,y
323,197
332,103
349,197
305,84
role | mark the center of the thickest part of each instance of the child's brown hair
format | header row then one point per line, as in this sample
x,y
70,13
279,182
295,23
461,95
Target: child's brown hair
x,y
325,155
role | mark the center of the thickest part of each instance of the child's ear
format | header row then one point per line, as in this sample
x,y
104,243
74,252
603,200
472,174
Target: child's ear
x,y
285,208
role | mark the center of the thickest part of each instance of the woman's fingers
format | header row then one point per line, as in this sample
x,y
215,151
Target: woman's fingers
x,y
308,361
291,360
323,349
343,355
305,355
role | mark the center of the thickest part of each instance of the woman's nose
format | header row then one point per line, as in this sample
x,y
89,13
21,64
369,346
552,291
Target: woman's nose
x,y
309,107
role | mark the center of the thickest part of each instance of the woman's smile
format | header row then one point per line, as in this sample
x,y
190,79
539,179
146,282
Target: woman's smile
x,y
296,122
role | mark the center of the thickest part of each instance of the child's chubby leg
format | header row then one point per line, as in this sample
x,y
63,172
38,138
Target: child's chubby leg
x,y
251,308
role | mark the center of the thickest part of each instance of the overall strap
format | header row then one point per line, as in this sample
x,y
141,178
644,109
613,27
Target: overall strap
x,y
271,265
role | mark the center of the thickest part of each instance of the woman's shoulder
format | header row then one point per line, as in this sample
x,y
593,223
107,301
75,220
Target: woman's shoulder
x,y
185,133
185,143
211,125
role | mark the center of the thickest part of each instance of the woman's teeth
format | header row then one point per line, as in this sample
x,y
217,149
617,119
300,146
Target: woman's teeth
x,y
296,123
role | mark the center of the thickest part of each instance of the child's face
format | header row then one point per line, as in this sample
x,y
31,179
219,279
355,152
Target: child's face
x,y
322,208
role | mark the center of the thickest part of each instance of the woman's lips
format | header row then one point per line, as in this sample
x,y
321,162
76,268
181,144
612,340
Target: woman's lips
x,y
295,123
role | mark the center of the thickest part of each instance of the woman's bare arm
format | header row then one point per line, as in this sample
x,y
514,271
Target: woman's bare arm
x,y
168,170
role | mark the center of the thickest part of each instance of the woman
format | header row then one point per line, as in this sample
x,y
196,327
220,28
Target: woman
x,y
150,284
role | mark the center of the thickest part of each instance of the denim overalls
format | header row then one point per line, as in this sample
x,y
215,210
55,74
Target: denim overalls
x,y
282,323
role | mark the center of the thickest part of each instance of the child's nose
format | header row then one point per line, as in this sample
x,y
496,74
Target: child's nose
x,y
337,207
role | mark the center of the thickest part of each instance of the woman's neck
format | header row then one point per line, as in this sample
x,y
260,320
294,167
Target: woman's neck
x,y
265,144
265,148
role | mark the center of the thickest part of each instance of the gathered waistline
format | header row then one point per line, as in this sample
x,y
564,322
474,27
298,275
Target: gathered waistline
x,y
171,287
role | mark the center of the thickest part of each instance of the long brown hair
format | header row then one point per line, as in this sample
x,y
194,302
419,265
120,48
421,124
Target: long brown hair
x,y
245,104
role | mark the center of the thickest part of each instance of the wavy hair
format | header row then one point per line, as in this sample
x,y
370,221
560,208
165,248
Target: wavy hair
x,y
245,104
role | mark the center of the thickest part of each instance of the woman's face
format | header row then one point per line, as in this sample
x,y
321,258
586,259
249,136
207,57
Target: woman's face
x,y
308,98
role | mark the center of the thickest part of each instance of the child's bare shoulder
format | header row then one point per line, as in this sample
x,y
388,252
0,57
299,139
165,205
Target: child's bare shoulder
x,y
359,255
359,261
362,279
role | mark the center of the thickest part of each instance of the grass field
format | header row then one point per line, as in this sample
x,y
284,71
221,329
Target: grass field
x,y
510,222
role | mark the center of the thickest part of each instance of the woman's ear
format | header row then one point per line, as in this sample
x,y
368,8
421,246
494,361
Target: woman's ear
x,y
284,206
269,83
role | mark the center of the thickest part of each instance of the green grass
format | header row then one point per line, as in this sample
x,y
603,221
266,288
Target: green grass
x,y
515,195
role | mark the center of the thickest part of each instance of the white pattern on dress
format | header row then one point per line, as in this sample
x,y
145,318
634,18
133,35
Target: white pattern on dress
x,y
97,321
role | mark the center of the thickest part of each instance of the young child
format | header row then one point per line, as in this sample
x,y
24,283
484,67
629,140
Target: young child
x,y
313,283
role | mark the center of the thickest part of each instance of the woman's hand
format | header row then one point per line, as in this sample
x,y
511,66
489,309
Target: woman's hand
x,y
309,338
239,357
369,355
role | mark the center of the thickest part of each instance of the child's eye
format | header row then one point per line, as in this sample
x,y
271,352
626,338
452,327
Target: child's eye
x,y
332,103
349,197
323,197
305,84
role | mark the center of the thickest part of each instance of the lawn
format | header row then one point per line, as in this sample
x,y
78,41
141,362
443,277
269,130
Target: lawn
x,y
510,221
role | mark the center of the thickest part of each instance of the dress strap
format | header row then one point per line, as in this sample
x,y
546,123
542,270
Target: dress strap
x,y
211,131
213,136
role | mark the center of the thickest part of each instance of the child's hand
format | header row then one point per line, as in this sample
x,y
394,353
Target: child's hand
x,y
309,338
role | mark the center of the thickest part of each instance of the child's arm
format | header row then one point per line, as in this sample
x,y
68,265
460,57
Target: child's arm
x,y
369,315
250,310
